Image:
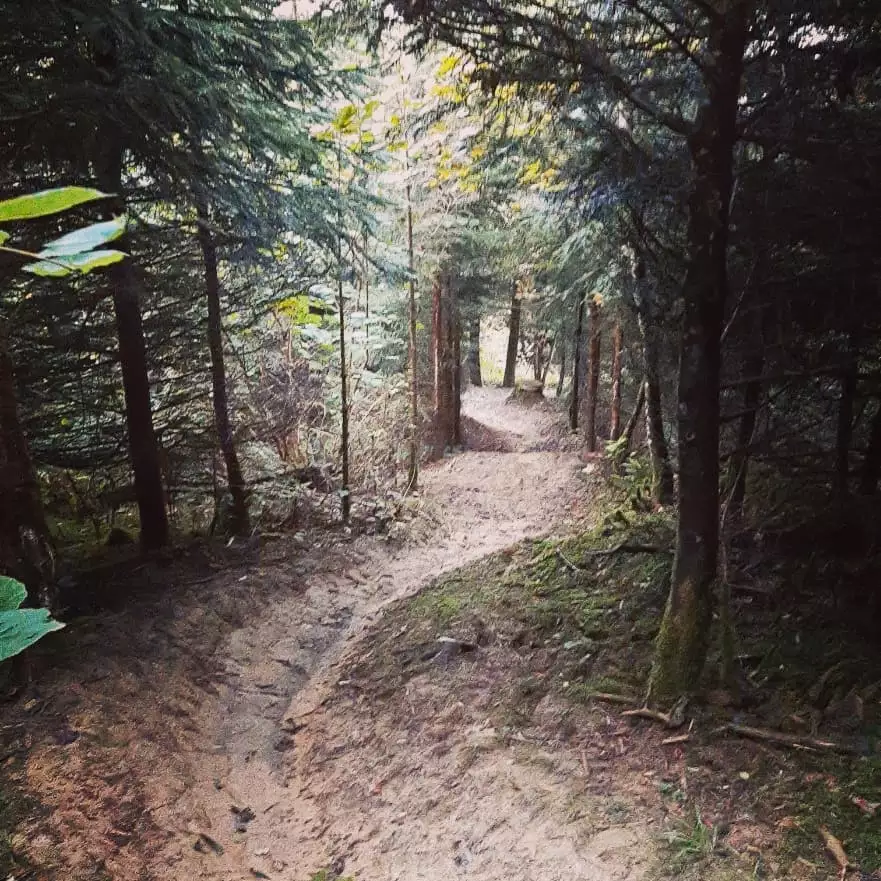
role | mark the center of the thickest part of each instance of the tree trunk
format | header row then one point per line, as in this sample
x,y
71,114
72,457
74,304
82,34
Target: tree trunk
x,y
561,379
662,472
474,376
574,404
683,639
413,464
513,340
872,464
630,428
845,427
617,357
143,446
455,329
546,365
239,523
25,548
593,375
445,355
738,467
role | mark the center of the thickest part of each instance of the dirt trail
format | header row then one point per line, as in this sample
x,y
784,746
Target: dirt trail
x,y
279,785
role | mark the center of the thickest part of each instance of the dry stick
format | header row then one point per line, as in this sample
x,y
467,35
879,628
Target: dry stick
x,y
568,562
833,845
791,740
679,738
648,713
613,698
627,548
623,548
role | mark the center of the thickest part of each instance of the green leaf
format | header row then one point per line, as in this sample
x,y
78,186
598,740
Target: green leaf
x,y
22,628
47,202
12,594
58,267
85,239
4,237
345,121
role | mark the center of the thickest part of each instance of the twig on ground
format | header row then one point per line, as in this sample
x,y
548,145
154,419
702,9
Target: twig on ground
x,y
679,738
614,698
648,713
627,548
794,741
833,845
622,548
569,564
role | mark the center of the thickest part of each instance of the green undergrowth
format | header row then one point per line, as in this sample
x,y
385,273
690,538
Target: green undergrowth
x,y
592,615
844,796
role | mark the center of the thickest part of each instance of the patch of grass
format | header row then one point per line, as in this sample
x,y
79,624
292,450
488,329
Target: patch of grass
x,y
329,875
829,801
691,841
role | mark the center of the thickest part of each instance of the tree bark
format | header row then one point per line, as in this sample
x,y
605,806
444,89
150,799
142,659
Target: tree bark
x,y
346,497
546,365
844,432
659,453
738,467
513,340
455,329
617,357
143,445
574,404
25,548
561,379
239,523
445,357
412,364
593,375
871,471
630,428
474,376
683,639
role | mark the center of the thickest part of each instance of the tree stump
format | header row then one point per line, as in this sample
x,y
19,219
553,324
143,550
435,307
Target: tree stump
x,y
528,391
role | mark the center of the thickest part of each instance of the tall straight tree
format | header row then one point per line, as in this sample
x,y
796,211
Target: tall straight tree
x,y
617,357
126,290
514,318
239,523
591,391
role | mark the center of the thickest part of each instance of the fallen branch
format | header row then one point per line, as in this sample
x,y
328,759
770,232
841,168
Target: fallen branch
x,y
679,738
794,741
613,698
622,548
833,845
627,548
569,564
653,715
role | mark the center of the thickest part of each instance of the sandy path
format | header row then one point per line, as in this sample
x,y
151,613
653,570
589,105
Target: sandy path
x,y
280,666
246,774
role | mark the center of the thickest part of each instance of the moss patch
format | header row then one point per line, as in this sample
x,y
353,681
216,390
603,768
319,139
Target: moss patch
x,y
586,617
831,797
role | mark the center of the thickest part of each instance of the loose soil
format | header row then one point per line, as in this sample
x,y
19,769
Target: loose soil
x,y
327,706
215,736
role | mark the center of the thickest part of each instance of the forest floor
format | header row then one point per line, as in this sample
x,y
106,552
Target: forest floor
x,y
424,708
203,739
